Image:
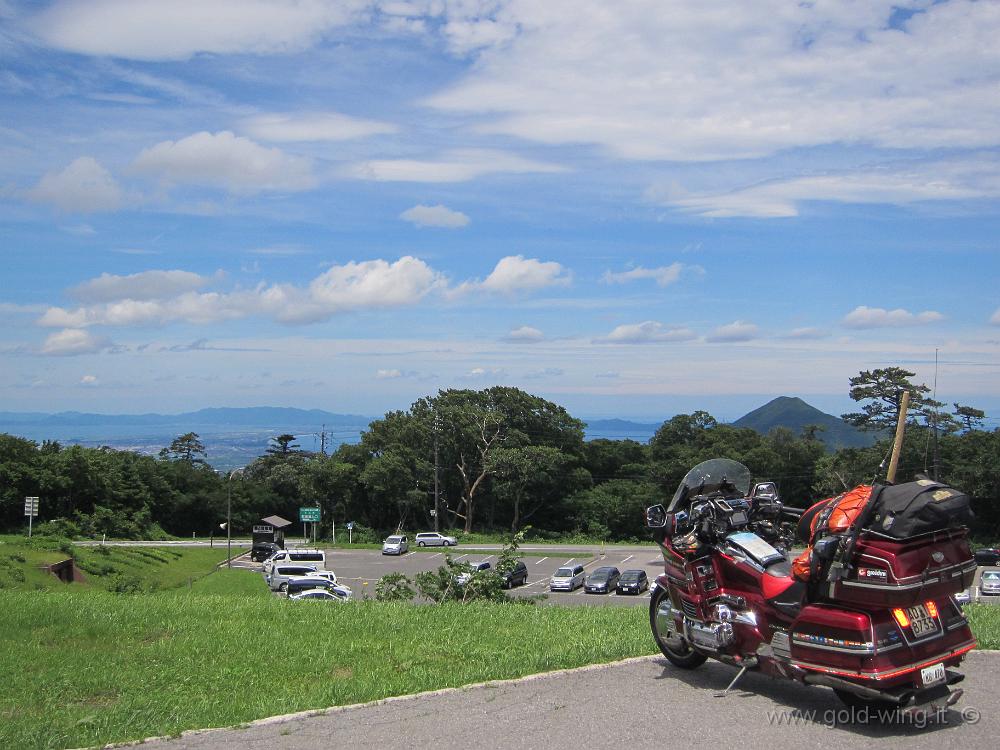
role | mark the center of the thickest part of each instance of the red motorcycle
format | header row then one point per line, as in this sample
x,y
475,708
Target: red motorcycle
x,y
877,619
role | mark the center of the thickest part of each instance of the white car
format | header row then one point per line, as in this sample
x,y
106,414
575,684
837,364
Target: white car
x,y
434,539
395,545
327,594
463,578
989,582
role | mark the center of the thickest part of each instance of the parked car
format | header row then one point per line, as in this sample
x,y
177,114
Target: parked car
x,y
395,545
260,551
434,539
516,577
987,556
602,581
632,582
316,557
277,578
463,578
296,585
321,593
568,578
989,582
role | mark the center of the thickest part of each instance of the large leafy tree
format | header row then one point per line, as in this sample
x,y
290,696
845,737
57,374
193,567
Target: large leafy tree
x,y
188,448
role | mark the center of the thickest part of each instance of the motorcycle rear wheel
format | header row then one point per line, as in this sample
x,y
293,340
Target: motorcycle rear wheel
x,y
671,644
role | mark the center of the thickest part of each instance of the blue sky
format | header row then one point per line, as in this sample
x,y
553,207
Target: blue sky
x,y
632,209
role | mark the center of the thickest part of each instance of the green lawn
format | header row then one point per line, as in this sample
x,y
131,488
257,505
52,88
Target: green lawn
x,y
86,668
104,567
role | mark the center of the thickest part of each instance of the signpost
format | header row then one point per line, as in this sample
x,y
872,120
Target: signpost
x,y
350,531
30,510
308,515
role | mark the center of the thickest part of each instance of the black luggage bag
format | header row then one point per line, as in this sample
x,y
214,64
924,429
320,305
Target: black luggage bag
x,y
906,510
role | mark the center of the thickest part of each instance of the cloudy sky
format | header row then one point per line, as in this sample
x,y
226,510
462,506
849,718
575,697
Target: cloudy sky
x,y
631,208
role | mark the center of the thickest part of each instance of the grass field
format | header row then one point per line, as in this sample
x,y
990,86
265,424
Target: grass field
x,y
105,567
90,668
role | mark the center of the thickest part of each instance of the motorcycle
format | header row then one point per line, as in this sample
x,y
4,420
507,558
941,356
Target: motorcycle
x,y
877,621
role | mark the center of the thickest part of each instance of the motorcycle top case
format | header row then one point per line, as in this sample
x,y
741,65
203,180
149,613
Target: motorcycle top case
x,y
914,508
902,572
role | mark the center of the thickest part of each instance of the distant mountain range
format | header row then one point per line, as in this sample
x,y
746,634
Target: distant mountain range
x,y
235,436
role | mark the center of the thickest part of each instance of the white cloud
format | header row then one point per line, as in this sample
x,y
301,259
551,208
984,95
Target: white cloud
x,y
525,334
677,81
89,380
313,126
175,30
145,285
227,161
72,341
388,374
648,332
664,275
375,284
877,317
734,332
808,333
995,320
435,216
85,186
515,273
456,166
894,183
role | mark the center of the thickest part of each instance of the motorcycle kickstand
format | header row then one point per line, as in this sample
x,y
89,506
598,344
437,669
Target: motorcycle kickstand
x,y
730,686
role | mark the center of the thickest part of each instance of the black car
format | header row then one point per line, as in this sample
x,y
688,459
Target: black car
x,y
987,556
602,581
517,576
633,582
263,550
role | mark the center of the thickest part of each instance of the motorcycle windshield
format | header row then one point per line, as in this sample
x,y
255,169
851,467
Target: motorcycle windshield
x,y
714,475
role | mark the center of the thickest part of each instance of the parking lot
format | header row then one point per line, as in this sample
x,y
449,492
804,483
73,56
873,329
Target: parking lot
x,y
361,569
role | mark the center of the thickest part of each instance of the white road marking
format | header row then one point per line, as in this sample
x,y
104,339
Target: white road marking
x,y
627,559
542,560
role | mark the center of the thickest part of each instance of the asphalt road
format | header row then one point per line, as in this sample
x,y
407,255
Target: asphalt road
x,y
639,703
361,569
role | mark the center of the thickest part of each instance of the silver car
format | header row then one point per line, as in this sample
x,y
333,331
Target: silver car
x,y
989,582
434,539
395,545
568,578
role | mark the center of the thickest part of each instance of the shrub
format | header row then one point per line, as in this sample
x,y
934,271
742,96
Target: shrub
x,y
394,587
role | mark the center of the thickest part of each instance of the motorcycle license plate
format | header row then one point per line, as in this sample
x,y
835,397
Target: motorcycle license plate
x,y
932,675
921,622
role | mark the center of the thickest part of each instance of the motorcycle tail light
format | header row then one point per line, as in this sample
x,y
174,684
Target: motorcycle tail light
x,y
932,609
901,618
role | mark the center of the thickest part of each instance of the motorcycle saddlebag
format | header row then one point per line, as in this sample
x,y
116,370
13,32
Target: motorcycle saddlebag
x,y
914,508
901,572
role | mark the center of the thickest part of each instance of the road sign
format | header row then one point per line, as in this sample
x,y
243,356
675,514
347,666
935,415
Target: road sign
x,y
31,506
309,514
350,525
262,529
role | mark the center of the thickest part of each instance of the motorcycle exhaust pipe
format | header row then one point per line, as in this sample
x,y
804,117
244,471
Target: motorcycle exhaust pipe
x,y
859,690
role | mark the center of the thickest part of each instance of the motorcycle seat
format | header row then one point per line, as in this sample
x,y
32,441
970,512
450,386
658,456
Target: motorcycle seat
x,y
781,590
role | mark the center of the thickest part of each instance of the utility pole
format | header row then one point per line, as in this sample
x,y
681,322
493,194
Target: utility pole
x,y
322,441
437,504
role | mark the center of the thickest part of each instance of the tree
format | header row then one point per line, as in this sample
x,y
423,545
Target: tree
x,y
970,418
187,448
282,446
883,390
528,477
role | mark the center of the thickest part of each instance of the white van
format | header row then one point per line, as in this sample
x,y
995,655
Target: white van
x,y
315,557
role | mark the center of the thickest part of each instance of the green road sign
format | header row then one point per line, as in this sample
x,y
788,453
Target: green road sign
x,y
309,514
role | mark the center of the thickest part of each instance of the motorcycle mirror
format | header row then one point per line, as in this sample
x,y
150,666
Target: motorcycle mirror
x,y
656,517
767,491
